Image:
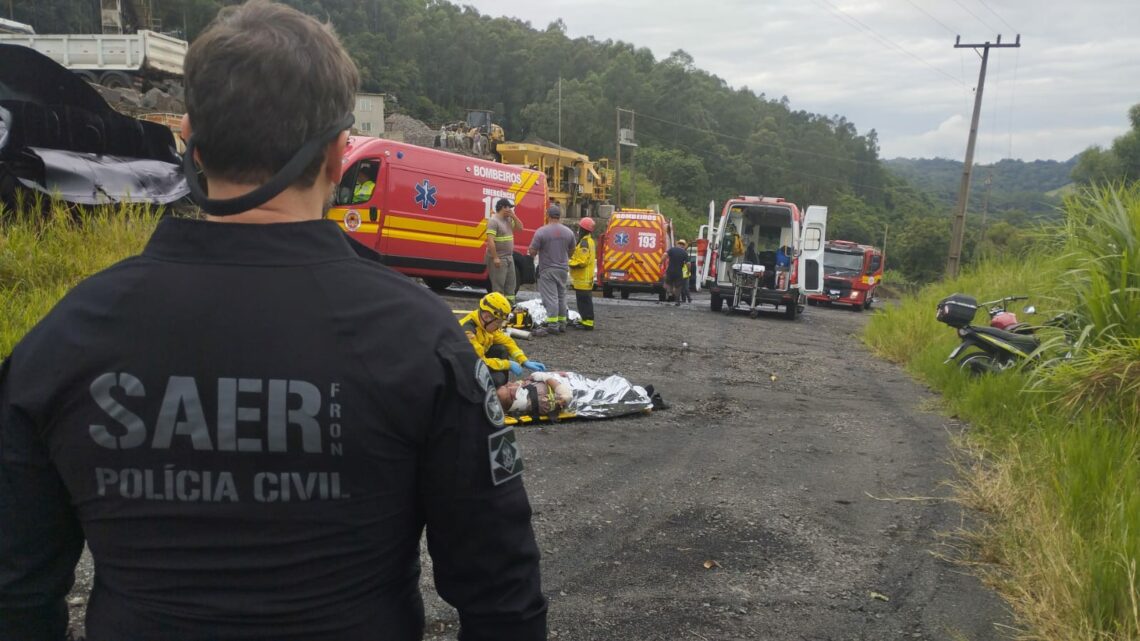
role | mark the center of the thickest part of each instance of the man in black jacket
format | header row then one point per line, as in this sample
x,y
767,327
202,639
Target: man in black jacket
x,y
252,423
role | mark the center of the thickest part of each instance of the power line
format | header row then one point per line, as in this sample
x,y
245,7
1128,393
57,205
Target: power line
x,y
983,3
759,144
1012,90
928,15
853,21
976,16
704,153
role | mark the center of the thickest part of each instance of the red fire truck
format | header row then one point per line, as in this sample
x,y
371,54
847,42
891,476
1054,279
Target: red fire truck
x,y
425,211
851,272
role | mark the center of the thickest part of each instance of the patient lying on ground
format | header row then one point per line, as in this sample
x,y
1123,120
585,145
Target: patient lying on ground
x,y
541,394
550,395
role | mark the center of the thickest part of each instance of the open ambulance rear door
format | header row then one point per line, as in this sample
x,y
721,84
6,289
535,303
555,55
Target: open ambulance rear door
x,y
812,240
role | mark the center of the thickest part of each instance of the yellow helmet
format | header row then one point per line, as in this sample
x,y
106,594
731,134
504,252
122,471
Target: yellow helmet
x,y
496,305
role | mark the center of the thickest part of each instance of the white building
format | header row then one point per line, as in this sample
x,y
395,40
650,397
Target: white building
x,y
369,113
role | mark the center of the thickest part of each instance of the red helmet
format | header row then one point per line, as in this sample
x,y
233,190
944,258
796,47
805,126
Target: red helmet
x,y
587,223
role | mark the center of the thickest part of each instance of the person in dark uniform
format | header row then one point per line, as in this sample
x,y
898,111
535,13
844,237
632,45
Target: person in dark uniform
x,y
252,423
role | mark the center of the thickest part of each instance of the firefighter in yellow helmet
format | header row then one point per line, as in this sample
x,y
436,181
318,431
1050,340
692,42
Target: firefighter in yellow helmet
x,y
484,328
582,264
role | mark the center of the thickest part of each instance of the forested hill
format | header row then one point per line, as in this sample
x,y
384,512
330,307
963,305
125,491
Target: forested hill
x,y
699,138
1014,184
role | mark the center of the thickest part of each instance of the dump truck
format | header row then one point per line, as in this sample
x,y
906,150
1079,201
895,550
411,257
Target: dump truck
x,y
121,60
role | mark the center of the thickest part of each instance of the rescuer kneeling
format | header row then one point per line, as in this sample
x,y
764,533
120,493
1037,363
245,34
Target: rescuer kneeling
x,y
484,328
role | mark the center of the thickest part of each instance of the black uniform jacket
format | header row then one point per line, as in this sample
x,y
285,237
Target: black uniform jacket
x,y
251,426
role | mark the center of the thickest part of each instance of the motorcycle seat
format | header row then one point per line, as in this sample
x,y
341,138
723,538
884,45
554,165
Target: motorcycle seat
x,y
1020,328
1025,343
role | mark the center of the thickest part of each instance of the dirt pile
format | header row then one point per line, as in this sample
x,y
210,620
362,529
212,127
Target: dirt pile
x,y
132,102
411,130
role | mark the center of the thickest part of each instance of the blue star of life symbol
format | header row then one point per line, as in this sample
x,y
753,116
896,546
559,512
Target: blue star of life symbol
x,y
425,194
621,239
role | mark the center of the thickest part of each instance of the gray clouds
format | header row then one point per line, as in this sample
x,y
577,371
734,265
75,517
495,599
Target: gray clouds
x,y
1069,85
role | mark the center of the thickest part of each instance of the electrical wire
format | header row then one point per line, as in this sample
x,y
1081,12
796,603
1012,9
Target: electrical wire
x,y
976,16
1012,90
705,154
712,132
928,15
887,42
983,3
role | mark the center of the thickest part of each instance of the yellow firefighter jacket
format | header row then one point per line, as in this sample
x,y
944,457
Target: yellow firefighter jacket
x,y
582,264
482,340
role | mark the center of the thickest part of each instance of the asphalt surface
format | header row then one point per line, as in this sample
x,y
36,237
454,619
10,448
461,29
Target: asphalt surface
x,y
753,507
777,436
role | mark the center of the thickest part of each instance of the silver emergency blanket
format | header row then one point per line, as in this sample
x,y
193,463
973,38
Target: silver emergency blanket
x,y
538,312
605,398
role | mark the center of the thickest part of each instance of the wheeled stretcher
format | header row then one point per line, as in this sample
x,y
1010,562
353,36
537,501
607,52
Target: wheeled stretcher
x,y
747,281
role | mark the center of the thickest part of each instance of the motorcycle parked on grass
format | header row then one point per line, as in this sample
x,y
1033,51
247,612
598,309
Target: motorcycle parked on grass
x,y
1005,343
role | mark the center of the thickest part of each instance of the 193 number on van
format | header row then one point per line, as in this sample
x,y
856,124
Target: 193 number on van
x,y
647,240
489,201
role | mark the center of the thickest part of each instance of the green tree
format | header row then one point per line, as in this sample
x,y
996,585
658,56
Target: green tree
x,y
1120,162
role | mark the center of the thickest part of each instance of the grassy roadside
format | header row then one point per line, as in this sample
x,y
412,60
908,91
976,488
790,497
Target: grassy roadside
x,y
43,256
1054,453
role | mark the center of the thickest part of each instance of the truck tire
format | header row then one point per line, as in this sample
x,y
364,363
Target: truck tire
x,y
607,291
870,299
715,302
625,294
662,296
116,80
437,285
790,311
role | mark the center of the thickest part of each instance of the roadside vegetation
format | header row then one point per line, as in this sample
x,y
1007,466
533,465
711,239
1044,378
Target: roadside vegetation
x,y
1052,455
43,255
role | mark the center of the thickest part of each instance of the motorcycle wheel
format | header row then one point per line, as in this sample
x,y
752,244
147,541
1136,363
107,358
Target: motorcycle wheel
x,y
977,363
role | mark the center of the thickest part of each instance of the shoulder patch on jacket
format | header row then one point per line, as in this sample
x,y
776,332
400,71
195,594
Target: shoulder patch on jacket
x,y
506,459
467,371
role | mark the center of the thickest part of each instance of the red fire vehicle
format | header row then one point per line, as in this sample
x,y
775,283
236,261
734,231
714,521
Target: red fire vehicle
x,y
425,211
851,272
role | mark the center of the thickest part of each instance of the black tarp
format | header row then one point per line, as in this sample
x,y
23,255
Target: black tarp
x,y
59,137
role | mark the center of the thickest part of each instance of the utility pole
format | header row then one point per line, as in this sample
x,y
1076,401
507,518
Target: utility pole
x,y
617,140
886,229
624,139
986,200
633,162
954,260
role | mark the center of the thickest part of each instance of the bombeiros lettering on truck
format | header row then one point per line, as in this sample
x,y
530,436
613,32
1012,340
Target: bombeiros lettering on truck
x,y
425,211
762,251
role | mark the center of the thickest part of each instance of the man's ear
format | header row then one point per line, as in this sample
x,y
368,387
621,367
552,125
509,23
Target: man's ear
x,y
334,157
184,128
184,132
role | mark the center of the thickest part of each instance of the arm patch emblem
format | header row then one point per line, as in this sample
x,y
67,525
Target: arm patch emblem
x,y
506,459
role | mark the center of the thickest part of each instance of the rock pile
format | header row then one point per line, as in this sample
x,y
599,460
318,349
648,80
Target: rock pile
x,y
413,131
165,99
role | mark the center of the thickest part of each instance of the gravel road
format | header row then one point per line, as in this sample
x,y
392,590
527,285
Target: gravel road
x,y
752,508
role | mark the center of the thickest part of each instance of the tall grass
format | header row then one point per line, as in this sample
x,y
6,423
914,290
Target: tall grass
x,y
46,248
1056,449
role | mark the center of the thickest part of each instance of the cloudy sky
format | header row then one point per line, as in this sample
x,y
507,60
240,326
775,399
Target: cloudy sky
x,y
890,65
